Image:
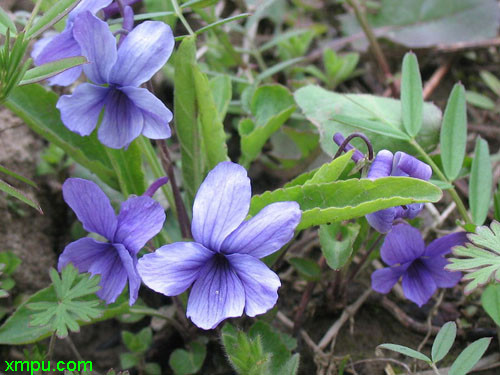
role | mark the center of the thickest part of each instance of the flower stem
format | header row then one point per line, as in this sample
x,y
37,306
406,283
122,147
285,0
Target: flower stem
x,y
178,13
179,204
442,177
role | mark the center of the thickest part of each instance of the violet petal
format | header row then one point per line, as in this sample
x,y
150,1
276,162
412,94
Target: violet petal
x,y
260,283
221,204
382,220
402,244
80,111
82,253
98,45
113,275
129,263
140,219
443,278
217,294
384,279
266,232
443,245
172,269
122,121
418,284
156,115
381,166
91,206
145,50
407,165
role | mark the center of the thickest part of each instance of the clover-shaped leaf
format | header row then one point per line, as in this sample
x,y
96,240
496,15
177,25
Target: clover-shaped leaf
x,y
75,302
480,258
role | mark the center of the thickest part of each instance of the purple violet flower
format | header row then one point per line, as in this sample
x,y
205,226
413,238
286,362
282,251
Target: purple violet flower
x,y
117,74
401,164
223,263
64,45
140,219
421,267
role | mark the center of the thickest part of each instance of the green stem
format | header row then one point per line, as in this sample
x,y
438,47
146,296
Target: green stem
x,y
435,369
178,12
454,195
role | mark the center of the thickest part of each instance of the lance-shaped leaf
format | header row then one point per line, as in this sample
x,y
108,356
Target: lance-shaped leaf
x,y
128,168
406,351
13,192
37,107
469,357
490,300
212,128
412,101
337,242
186,122
454,133
481,179
343,200
444,341
39,73
51,16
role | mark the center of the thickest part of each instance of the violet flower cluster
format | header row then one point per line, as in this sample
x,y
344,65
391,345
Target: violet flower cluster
x,y
222,264
420,267
140,219
116,73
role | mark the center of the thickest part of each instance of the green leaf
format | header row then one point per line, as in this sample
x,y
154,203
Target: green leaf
x,y
140,342
491,81
37,107
412,101
18,330
6,22
185,362
337,251
307,268
427,23
128,168
221,88
480,258
50,69
479,100
481,179
64,313
128,360
328,172
221,22
212,128
339,68
321,106
406,351
454,133
444,341
271,106
11,262
469,357
186,122
152,369
343,200
496,203
490,299
278,68
17,176
51,16
13,192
